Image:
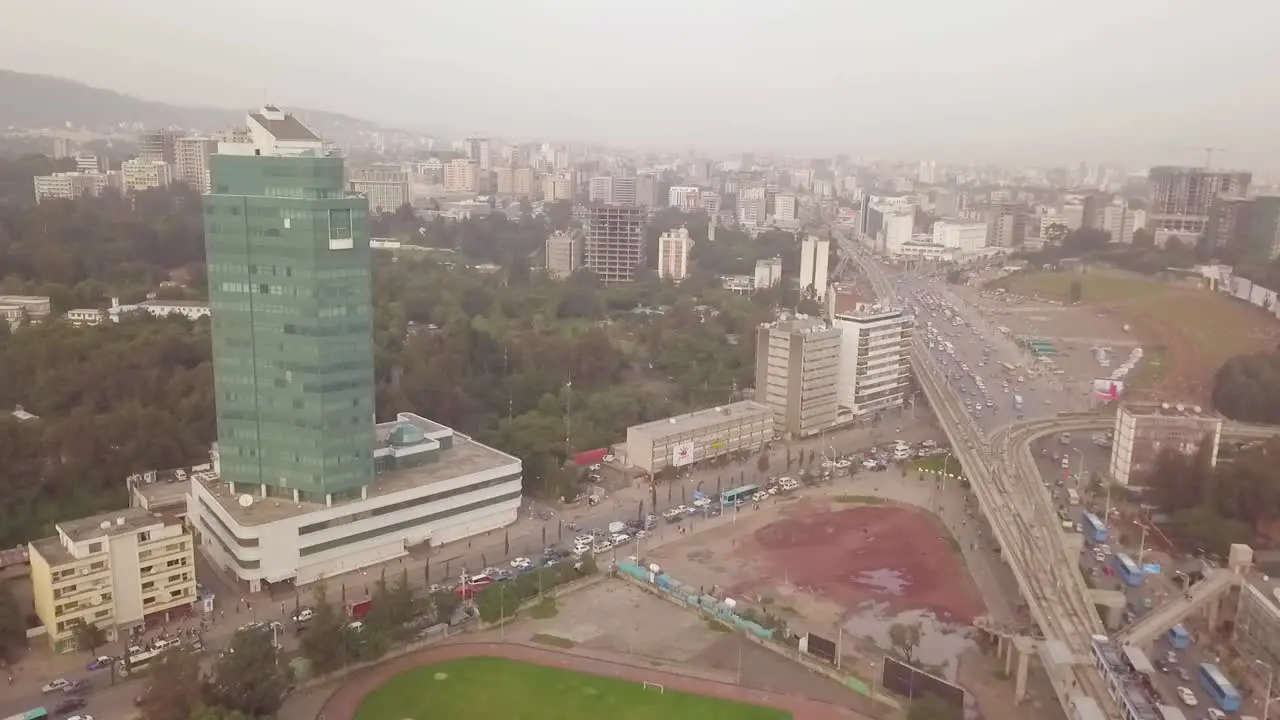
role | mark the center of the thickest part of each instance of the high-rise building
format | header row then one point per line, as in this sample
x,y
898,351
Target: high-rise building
x,y
303,346
959,234
673,254
561,161
614,241
305,485
478,150
1144,431
786,208
564,254
710,202
557,186
137,175
1264,228
768,272
90,163
1229,219
897,228
386,187
684,197
1120,221
1007,224
503,180
192,161
814,255
797,369
462,175
624,191
647,190
601,190
875,358
928,172
157,146
1180,198
522,182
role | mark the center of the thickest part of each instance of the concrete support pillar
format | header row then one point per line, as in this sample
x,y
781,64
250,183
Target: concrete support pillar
x,y
1115,617
1020,679
1213,611
1009,654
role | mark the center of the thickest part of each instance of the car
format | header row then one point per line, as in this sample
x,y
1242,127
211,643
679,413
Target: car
x,y
522,563
68,704
1216,714
77,686
80,717
620,539
1187,697
101,662
54,685
304,615
594,468
602,546
702,502
609,458
581,539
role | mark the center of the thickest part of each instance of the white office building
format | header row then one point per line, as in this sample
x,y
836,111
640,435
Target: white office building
x,y
673,254
897,229
191,161
684,197
601,190
768,272
875,358
960,234
786,209
814,254
71,185
434,486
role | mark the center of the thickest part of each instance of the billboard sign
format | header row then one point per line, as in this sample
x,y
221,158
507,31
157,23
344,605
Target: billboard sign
x,y
818,646
1108,390
912,683
682,454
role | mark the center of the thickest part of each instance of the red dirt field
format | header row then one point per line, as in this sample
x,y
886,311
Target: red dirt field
x,y
890,554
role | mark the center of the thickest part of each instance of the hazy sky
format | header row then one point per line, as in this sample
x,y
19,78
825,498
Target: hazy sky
x,y
961,80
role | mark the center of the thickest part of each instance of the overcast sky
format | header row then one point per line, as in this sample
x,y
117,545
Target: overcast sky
x,y
959,80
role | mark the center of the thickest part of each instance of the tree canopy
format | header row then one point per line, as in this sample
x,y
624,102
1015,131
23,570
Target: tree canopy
x,y
1247,388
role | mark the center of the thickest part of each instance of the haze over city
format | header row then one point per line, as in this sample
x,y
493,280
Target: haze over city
x,y
999,81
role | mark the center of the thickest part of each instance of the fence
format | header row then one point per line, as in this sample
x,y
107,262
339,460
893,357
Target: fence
x,y
1244,289
664,586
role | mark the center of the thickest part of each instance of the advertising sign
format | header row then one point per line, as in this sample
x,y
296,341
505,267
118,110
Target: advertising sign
x,y
682,454
912,683
1108,390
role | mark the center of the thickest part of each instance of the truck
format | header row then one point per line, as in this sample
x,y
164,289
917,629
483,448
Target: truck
x,y
1017,402
356,610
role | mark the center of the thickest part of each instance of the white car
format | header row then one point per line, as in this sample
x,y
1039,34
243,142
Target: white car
x,y
54,685
701,502
1216,714
757,497
602,546
609,458
1187,697
594,468
522,563
80,717
583,540
620,538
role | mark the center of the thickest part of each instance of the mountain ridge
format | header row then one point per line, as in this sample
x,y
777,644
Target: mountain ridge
x,y
33,101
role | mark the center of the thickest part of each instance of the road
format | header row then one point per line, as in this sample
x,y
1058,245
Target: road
x,y
1002,470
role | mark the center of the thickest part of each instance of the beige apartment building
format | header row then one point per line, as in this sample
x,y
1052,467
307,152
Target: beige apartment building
x,y
564,254
192,161
701,435
797,375
462,176
114,570
139,175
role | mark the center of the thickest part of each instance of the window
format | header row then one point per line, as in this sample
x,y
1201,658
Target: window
x,y
144,536
95,548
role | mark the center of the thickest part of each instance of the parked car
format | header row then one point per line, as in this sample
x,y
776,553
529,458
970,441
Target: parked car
x,y
54,685
101,662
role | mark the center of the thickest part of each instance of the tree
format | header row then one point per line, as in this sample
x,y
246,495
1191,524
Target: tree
x,y
905,639
394,606
249,676
13,628
1247,388
763,463
324,643
173,687
932,707
89,637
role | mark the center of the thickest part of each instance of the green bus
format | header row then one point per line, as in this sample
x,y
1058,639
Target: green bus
x,y
32,714
729,497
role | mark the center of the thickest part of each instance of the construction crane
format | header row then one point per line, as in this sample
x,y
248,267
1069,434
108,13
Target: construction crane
x,y
1208,155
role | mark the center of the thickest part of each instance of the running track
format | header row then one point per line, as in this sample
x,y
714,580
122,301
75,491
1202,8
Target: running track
x,y
344,702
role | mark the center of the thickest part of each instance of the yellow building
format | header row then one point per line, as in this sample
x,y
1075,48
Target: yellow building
x,y
114,570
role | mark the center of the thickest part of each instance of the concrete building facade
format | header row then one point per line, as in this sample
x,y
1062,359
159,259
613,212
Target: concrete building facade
x,y
1144,430
113,570
814,257
673,254
613,241
686,439
192,161
875,358
564,254
797,372
71,185
386,187
961,235
138,175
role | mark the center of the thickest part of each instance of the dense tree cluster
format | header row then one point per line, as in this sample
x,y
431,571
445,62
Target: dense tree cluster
x,y
250,679
1139,256
538,367
1247,388
1213,506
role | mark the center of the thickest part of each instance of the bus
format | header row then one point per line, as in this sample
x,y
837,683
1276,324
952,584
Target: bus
x,y
1128,570
1073,497
137,661
1094,528
1010,369
32,714
729,497
1219,688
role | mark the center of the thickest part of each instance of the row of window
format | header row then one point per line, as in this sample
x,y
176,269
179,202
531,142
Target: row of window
x,y
406,524
405,505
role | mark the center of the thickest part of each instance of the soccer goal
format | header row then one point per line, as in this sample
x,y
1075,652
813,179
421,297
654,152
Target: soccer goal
x,y
653,686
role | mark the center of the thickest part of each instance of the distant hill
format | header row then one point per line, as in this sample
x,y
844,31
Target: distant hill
x,y
41,101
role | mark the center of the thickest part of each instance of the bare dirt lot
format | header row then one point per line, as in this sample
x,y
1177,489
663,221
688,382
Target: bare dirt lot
x,y
819,561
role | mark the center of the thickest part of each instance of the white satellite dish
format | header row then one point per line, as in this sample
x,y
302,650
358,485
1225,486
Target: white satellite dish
x,y
654,568
97,600
245,500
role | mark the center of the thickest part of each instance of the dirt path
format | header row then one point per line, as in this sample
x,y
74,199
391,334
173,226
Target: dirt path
x,y
345,701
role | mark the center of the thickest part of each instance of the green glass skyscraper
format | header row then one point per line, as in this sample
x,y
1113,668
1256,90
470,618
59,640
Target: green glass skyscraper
x,y
290,292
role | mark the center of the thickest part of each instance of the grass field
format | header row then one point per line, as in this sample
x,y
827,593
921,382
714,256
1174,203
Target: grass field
x,y
494,688
1096,286
937,463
